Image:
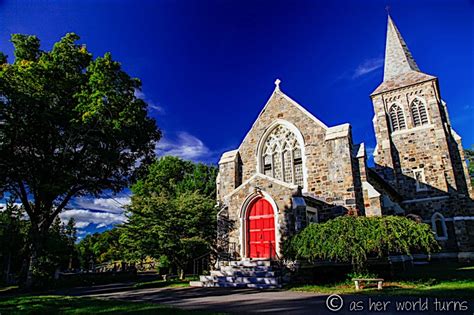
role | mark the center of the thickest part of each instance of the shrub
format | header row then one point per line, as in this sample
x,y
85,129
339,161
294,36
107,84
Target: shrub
x,y
353,240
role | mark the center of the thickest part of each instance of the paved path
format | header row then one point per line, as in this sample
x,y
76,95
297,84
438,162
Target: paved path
x,y
243,301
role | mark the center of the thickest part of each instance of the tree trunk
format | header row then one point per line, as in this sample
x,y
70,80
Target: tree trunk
x,y
36,251
8,267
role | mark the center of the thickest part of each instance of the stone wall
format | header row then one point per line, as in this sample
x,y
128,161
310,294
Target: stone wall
x,y
327,159
433,147
279,192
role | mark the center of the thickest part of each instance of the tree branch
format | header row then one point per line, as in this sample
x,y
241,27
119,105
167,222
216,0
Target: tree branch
x,y
61,206
24,199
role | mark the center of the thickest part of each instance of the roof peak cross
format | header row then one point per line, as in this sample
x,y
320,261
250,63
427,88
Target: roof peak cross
x,y
277,84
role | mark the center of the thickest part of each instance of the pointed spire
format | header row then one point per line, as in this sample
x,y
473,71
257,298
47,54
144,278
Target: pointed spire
x,y
398,58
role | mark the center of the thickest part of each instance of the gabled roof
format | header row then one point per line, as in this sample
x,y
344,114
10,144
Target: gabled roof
x,y
402,80
277,92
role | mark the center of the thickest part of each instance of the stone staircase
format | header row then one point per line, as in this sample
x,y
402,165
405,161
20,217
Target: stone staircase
x,y
258,274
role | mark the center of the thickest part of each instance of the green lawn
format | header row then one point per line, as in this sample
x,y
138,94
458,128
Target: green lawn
x,y
54,304
161,284
433,280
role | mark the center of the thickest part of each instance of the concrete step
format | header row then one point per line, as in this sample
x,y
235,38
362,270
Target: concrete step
x,y
196,284
242,268
244,280
206,278
242,273
250,263
253,280
258,274
210,284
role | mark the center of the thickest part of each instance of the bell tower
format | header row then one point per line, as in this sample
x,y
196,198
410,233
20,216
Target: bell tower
x,y
417,150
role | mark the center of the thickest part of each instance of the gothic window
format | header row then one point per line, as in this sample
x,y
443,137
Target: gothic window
x,y
287,160
277,167
418,112
419,175
281,156
396,118
438,225
267,165
298,163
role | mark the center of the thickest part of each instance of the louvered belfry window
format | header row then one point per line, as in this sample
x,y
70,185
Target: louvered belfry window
x,y
418,113
281,156
397,118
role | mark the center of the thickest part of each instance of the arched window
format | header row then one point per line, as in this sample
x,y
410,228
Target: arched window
x,y
281,156
438,224
396,118
418,112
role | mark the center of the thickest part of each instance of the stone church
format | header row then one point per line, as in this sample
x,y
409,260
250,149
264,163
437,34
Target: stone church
x,y
292,169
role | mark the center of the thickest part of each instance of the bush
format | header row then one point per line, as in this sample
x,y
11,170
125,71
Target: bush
x,y
354,239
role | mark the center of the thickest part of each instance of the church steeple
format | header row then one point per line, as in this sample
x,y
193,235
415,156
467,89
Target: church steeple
x,y
398,58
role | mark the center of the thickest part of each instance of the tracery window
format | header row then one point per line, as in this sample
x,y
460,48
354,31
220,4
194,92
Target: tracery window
x,y
418,112
281,156
397,118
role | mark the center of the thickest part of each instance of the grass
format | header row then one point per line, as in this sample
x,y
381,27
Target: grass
x,y
161,284
434,280
54,304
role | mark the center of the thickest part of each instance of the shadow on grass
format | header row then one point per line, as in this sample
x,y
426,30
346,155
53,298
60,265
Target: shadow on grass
x,y
52,304
162,284
437,279
444,289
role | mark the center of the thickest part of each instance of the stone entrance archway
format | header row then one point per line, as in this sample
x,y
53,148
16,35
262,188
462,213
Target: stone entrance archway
x,y
260,230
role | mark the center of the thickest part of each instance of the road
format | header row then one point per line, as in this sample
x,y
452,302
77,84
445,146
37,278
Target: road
x,y
244,301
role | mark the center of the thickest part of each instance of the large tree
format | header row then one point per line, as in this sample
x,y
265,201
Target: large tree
x,y
173,213
70,125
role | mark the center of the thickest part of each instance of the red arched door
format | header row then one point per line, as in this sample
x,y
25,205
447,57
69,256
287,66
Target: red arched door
x,y
261,230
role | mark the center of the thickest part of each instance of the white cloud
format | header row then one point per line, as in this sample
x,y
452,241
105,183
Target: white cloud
x,y
79,225
367,66
3,206
151,104
114,205
185,146
85,217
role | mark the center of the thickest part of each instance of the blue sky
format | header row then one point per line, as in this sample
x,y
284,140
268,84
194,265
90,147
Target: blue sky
x,y
208,67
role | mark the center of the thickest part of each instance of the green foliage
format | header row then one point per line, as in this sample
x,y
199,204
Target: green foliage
x,y
172,213
172,176
15,232
469,154
27,47
99,248
354,239
13,241
70,125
